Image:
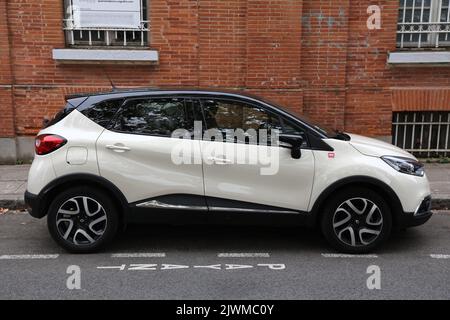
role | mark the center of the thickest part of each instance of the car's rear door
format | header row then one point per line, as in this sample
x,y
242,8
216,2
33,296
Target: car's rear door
x,y
136,154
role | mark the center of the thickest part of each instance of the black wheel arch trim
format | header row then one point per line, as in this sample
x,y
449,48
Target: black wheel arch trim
x,y
386,192
43,201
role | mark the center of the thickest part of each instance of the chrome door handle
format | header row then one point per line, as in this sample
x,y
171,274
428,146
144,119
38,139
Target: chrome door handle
x,y
220,160
117,148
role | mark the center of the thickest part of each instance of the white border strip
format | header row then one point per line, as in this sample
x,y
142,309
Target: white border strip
x,y
244,255
28,256
139,255
440,256
339,255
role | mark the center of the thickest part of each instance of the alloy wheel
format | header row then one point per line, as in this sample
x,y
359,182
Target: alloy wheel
x,y
357,222
81,220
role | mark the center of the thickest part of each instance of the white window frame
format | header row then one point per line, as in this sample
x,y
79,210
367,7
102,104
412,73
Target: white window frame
x,y
105,37
432,29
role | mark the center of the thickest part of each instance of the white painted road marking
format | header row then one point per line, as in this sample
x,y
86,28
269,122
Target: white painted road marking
x,y
121,267
139,255
440,256
244,255
161,267
340,255
28,256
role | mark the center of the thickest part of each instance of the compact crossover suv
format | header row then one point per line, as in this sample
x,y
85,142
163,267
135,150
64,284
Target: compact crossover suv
x,y
109,159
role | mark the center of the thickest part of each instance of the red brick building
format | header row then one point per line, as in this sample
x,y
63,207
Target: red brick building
x,y
317,57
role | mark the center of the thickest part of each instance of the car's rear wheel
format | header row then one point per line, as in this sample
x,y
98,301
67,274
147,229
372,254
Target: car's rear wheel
x,y
356,220
82,219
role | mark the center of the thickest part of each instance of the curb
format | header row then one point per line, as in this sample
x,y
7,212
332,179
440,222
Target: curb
x,y
19,204
13,204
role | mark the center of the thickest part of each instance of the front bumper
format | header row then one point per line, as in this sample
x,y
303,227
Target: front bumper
x,y
422,214
33,203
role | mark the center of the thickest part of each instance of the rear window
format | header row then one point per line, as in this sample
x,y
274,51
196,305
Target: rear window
x,y
103,112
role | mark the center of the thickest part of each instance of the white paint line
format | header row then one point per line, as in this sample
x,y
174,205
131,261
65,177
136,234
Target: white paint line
x,y
244,255
139,255
339,255
121,267
28,256
440,256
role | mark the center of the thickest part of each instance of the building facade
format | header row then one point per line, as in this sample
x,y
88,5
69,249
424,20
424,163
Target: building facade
x,y
374,67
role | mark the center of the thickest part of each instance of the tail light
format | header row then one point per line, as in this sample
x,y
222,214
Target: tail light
x,y
47,143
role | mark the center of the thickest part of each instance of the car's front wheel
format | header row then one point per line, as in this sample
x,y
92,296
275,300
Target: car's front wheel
x,y
82,219
356,220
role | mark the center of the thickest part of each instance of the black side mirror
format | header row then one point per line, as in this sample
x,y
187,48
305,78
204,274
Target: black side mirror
x,y
294,143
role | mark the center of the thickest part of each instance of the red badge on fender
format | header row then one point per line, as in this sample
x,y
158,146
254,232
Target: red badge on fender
x,y
331,155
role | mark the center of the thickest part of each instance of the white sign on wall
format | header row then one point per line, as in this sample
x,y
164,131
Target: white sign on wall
x,y
107,13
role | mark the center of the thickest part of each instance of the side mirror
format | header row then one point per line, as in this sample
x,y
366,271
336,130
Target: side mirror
x,y
294,143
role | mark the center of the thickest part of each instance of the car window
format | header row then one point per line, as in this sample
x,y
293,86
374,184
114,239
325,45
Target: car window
x,y
103,113
225,115
290,128
229,115
155,116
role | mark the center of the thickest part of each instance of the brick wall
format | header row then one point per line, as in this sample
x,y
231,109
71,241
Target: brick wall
x,y
314,56
6,81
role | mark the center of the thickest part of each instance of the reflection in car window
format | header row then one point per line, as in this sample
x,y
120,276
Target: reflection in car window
x,y
155,117
102,113
226,115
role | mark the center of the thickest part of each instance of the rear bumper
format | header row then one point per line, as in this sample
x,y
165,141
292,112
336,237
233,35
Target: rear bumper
x,y
422,214
33,203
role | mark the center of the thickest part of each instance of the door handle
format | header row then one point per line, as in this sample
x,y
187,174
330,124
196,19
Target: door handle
x,y
117,148
216,160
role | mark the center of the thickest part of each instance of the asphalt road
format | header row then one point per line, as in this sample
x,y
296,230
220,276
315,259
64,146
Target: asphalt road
x,y
163,262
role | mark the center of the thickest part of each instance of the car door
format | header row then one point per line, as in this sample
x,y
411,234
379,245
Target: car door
x,y
136,154
244,174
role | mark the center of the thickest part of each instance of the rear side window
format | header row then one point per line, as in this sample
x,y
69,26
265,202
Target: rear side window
x,y
155,116
103,113
64,112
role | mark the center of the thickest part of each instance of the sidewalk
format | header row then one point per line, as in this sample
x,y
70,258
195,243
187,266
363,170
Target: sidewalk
x,y
13,183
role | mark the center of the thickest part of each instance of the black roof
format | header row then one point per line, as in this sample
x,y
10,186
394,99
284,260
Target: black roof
x,y
152,90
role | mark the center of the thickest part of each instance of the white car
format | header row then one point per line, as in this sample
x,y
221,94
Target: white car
x,y
110,159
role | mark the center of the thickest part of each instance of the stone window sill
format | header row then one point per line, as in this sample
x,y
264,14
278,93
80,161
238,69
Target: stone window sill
x,y
101,56
423,58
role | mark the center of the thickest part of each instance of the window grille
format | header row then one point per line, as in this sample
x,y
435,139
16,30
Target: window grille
x,y
101,37
423,24
425,134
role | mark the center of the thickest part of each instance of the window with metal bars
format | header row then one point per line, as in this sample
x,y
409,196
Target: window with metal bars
x,y
423,24
105,37
425,134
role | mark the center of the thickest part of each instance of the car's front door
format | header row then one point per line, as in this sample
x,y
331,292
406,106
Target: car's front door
x,y
244,174
137,154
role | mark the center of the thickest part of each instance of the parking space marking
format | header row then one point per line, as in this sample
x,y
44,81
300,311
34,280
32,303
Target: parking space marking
x,y
121,267
219,255
28,256
440,256
139,255
243,255
340,255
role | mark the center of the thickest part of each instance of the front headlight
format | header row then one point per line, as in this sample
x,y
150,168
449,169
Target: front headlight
x,y
405,165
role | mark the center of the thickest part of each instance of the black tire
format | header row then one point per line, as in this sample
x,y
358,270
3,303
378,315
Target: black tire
x,y
75,200
364,240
